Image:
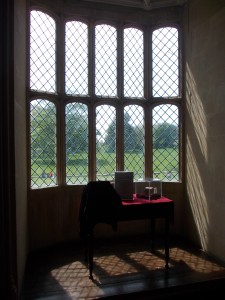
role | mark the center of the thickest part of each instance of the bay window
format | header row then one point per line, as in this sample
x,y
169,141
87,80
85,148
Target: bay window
x,y
104,96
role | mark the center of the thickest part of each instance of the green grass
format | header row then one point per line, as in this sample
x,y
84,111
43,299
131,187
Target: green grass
x,y
77,166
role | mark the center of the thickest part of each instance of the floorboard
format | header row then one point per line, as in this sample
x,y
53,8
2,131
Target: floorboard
x,y
123,269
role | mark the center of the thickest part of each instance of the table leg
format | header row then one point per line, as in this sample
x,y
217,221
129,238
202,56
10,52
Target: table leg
x,y
90,253
152,233
167,226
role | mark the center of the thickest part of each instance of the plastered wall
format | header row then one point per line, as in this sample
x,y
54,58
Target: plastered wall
x,y
205,124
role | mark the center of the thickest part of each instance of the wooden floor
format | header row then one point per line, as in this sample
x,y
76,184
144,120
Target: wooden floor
x,y
123,269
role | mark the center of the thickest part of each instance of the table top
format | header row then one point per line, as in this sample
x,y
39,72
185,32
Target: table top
x,y
140,200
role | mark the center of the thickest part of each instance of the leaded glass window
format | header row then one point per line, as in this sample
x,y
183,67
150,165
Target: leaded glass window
x,y
76,58
42,52
133,63
76,143
165,137
105,142
165,63
43,143
103,98
134,153
105,60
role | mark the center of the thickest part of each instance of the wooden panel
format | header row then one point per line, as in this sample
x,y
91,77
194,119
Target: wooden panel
x,y
53,216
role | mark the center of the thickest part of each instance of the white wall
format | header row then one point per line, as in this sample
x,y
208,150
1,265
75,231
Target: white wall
x,y
205,124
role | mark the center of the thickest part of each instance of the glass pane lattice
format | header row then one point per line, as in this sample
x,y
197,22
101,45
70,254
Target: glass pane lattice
x,y
76,58
165,71
133,63
43,143
134,140
42,52
99,73
105,61
76,143
105,142
165,143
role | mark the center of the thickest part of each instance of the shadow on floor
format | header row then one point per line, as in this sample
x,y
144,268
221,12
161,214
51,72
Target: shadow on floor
x,y
123,269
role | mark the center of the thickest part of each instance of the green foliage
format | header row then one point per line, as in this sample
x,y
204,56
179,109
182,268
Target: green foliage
x,y
110,139
165,135
43,129
76,128
132,136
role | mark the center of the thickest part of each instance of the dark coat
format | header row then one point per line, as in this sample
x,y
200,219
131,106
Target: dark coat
x,y
100,203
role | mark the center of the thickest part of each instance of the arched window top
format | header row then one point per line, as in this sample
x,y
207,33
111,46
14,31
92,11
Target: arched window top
x,y
105,60
42,52
165,62
76,58
133,63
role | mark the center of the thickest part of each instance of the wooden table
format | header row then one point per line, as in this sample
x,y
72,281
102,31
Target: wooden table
x,y
137,209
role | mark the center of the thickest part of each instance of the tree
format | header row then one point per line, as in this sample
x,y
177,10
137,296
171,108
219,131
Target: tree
x,y
132,136
110,139
43,129
165,135
76,127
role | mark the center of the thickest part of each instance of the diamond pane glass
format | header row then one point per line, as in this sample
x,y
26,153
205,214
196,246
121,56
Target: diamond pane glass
x,y
42,52
134,141
76,143
105,142
76,60
165,66
133,63
166,142
105,61
43,143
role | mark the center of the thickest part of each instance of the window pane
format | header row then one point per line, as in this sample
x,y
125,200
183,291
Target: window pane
x,y
76,58
42,52
105,61
166,142
43,143
105,142
133,63
134,140
165,72
76,143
